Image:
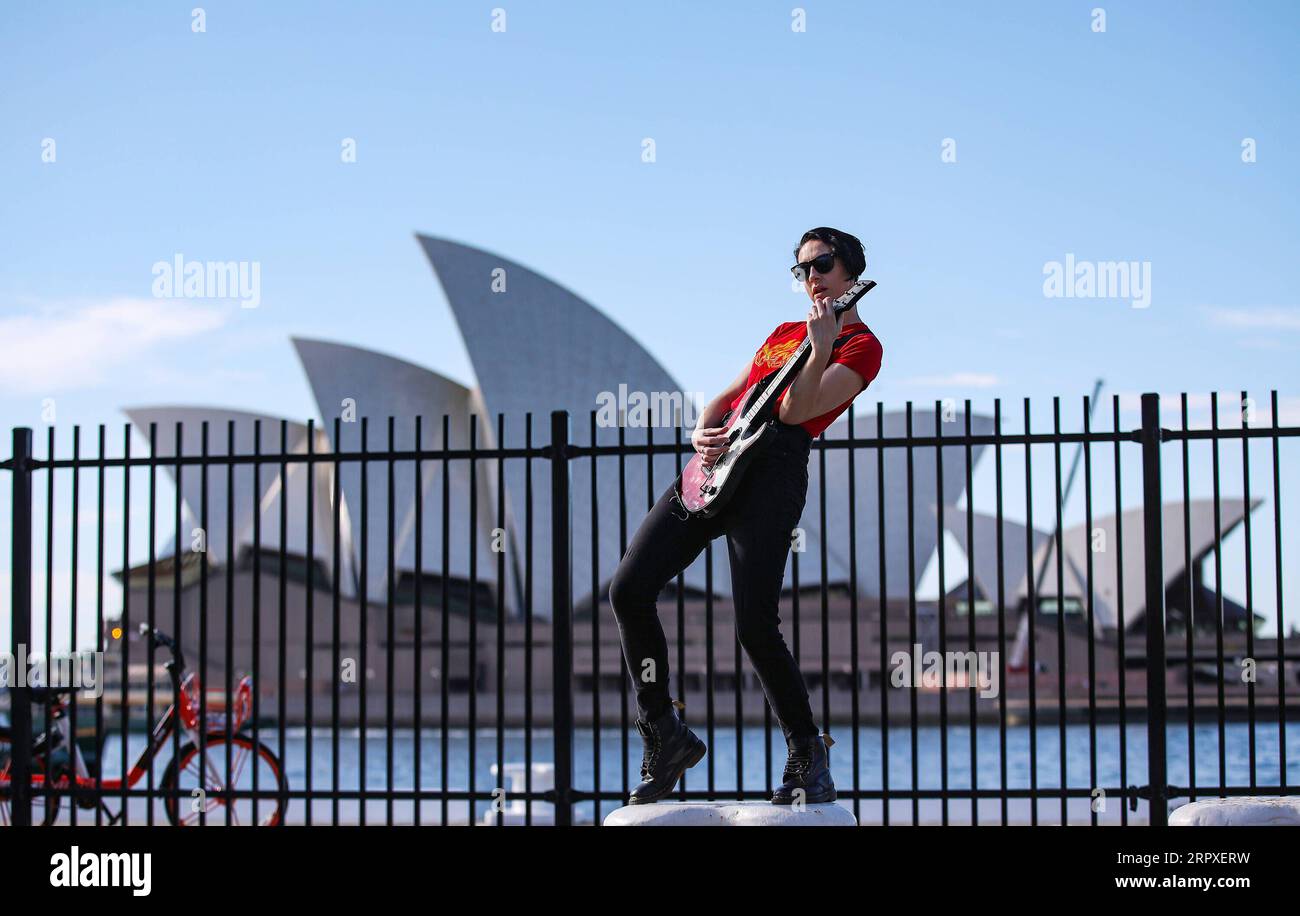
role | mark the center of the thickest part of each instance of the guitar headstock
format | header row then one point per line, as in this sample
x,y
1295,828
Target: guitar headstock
x,y
850,296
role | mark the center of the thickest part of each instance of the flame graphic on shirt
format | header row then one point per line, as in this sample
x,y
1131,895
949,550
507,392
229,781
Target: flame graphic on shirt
x,y
774,355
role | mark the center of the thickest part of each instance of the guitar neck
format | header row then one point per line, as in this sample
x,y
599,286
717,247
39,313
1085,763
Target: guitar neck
x,y
785,375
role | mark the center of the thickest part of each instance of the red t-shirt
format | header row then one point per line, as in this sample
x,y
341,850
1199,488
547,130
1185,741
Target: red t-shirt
x,y
862,354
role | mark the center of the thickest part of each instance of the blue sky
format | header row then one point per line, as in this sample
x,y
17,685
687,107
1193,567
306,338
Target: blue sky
x,y
1121,145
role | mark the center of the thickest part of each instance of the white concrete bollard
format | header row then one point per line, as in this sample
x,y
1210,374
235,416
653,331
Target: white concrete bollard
x,y
731,814
1263,811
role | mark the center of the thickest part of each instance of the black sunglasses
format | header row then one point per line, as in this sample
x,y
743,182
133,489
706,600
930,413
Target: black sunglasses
x,y
823,264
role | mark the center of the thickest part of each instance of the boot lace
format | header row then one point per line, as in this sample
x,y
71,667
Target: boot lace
x,y
797,762
653,747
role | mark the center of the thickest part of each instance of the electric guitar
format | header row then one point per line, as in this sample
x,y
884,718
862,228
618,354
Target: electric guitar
x,y
703,491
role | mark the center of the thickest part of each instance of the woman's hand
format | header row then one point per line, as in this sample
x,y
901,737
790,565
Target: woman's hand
x,y
710,442
823,325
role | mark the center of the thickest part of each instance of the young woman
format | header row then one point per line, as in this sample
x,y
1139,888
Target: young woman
x,y
759,520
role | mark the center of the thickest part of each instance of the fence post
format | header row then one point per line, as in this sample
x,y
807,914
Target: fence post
x,y
20,632
561,619
1153,546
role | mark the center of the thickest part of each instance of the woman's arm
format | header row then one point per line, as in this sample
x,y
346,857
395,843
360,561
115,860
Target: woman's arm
x,y
820,385
817,388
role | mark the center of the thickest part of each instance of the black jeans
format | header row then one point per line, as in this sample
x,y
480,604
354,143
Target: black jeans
x,y
759,521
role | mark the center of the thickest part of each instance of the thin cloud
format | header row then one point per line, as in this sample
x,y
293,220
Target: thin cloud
x,y
75,346
1269,318
1267,344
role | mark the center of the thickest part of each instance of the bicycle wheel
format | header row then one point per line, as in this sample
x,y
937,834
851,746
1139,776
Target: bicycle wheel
x,y
45,805
193,775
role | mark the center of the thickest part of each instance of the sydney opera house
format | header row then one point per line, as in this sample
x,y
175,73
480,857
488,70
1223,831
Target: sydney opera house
x,y
453,588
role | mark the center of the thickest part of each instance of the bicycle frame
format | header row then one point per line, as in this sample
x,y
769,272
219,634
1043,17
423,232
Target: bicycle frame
x,y
186,689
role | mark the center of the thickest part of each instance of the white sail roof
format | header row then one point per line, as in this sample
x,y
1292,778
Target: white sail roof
x,y
351,383
985,551
271,486
1109,564
537,347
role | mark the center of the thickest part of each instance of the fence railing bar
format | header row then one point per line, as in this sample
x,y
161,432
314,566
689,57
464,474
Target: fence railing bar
x,y
1152,509
1002,617
825,603
970,616
624,682
1192,601
20,631
390,578
49,790
231,561
75,509
507,543
471,534
1031,614
593,583
335,627
1121,625
1060,604
855,672
172,795
444,665
911,610
282,584
943,609
1090,587
579,451
1250,591
1277,590
99,629
205,524
528,618
363,622
1219,434
561,621
309,650
1218,599
883,608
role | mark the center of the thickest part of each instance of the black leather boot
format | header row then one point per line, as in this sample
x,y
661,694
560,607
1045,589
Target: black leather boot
x,y
670,750
807,768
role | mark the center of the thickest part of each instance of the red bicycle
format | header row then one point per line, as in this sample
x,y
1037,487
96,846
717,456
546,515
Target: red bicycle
x,y
192,780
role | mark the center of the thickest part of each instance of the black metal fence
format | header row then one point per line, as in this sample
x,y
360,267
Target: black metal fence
x,y
1116,699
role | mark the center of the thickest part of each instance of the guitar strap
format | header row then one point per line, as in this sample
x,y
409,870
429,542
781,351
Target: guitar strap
x,y
845,338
